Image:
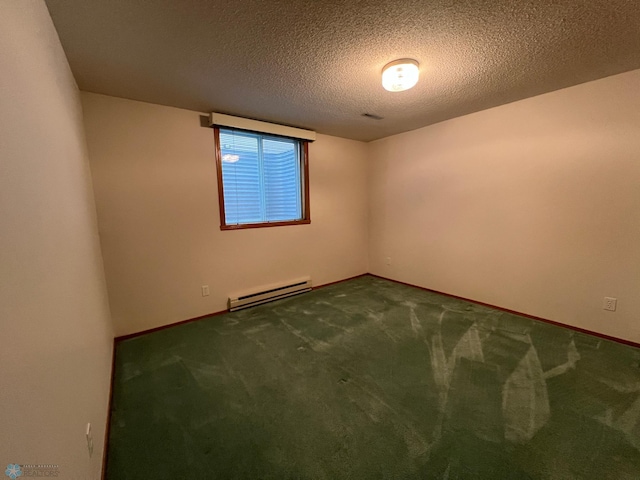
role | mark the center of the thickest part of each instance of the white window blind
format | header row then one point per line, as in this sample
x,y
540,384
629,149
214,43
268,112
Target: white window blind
x,y
261,177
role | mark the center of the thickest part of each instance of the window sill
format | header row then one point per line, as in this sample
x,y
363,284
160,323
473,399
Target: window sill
x,y
266,224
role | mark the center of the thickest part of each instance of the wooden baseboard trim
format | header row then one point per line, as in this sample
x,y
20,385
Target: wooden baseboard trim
x,y
105,452
169,325
340,281
533,317
181,322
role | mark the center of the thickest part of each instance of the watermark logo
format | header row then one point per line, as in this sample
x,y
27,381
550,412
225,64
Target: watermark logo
x,y
13,471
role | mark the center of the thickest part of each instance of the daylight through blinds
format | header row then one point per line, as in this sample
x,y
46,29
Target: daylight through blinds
x,y
261,178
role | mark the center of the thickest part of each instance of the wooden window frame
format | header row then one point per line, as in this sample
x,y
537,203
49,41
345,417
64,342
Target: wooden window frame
x,y
304,163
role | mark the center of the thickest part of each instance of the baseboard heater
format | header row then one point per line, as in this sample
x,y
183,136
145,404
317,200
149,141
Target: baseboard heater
x,y
269,293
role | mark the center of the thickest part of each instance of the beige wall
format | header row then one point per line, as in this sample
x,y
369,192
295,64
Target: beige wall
x,y
55,358
533,206
156,194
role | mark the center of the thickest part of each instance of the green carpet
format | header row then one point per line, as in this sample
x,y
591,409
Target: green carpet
x,y
371,379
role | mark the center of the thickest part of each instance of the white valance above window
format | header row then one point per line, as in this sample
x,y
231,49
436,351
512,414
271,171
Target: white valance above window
x,y
223,120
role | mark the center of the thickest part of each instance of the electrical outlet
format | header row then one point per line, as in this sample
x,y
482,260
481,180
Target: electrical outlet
x,y
205,290
387,260
610,304
89,439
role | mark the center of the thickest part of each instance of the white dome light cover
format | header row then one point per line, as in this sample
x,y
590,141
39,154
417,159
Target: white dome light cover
x,y
400,75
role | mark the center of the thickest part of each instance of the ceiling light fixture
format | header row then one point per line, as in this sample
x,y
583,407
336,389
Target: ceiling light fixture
x,y
400,75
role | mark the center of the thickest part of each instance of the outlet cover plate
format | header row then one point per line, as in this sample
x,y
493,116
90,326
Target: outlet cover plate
x,y
610,304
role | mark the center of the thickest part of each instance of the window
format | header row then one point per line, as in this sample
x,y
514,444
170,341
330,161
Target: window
x,y
262,179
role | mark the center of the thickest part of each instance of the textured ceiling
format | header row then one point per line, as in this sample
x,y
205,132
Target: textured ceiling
x,y
317,63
